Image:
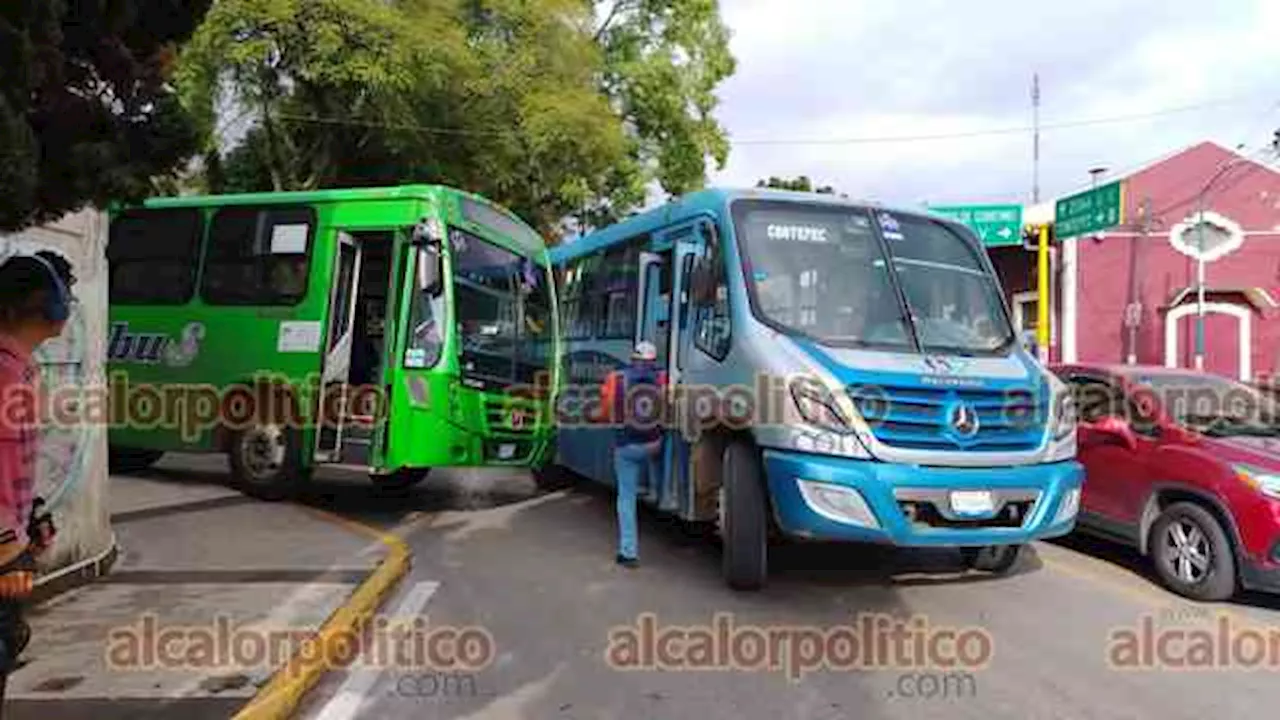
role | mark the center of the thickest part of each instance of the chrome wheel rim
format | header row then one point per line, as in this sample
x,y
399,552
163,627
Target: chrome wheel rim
x,y
1187,553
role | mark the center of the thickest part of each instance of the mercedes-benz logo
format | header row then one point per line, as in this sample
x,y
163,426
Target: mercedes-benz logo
x,y
964,420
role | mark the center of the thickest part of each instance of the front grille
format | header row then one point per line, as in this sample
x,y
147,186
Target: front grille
x,y
916,418
511,416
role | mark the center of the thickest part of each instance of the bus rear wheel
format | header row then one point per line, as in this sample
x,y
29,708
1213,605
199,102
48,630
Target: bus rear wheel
x,y
266,462
744,518
131,460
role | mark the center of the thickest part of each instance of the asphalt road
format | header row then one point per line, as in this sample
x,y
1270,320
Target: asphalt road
x,y
1060,638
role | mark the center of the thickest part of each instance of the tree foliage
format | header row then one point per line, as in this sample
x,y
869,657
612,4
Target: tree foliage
x,y
797,184
547,106
86,110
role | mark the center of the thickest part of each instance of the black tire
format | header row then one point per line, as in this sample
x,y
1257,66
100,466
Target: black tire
x,y
1213,583
552,477
266,462
399,482
996,559
745,519
130,460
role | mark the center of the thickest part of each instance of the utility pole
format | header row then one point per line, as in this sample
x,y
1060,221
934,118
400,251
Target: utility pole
x,y
1133,310
1035,147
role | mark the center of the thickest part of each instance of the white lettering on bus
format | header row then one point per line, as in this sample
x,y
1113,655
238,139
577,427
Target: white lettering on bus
x,y
797,233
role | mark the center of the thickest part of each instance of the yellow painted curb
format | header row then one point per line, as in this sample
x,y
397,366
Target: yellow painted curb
x,y
335,641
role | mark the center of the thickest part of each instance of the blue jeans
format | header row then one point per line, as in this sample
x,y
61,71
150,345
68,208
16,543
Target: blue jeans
x,y
629,463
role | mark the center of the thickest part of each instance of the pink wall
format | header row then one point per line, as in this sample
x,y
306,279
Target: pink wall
x,y
1248,195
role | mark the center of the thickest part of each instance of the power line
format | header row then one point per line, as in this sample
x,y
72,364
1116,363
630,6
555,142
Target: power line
x,y
427,129
994,131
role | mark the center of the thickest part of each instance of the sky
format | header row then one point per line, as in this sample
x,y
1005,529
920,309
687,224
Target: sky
x,y
837,71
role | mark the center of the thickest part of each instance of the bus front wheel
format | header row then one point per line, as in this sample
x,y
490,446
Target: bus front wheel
x,y
401,481
998,559
744,518
266,462
551,478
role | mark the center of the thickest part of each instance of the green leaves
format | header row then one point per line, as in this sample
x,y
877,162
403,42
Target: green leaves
x,y
541,105
799,184
86,110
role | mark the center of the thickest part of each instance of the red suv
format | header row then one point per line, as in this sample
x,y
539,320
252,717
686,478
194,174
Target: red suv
x,y
1185,467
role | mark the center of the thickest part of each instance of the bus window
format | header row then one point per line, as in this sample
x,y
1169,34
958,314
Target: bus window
x,y
712,332
152,256
258,257
425,314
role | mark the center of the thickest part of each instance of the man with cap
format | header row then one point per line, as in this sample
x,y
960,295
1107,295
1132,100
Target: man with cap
x,y
634,395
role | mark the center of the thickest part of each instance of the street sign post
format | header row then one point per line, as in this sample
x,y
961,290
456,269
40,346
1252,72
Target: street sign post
x,y
995,225
1090,211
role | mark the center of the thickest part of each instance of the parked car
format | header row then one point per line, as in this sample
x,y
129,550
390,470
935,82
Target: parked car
x,y
1185,467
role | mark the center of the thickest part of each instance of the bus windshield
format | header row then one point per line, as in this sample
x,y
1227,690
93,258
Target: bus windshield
x,y
503,311
821,272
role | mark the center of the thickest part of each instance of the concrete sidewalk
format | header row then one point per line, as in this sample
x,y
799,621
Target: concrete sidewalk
x,y
235,582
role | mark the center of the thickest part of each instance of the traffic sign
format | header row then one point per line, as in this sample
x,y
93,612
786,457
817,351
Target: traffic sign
x,y
995,225
1090,211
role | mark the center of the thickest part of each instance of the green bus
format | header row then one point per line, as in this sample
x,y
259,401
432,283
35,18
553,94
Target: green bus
x,y
392,330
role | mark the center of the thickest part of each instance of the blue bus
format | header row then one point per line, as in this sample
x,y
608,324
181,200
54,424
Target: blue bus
x,y
838,371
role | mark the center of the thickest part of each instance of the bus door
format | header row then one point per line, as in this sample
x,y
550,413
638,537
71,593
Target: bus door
x,y
337,360
417,403
686,243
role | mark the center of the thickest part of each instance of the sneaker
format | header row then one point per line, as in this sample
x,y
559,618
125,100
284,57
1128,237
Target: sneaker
x,y
625,561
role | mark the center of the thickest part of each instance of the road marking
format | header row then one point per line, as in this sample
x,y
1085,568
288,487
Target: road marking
x,y
345,703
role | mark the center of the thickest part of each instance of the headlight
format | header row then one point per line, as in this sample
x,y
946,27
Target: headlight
x,y
1064,420
1264,481
818,408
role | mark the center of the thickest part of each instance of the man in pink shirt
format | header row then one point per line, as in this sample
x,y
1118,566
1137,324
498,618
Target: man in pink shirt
x,y
35,302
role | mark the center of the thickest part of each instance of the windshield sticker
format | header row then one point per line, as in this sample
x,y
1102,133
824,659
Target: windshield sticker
x,y
889,225
760,276
797,233
415,357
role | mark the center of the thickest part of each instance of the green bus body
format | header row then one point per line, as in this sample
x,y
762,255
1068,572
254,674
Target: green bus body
x,y
171,352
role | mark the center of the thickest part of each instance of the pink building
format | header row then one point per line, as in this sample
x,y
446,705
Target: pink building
x,y
1137,266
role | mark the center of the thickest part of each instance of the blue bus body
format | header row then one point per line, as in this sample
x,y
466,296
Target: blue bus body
x,y
849,437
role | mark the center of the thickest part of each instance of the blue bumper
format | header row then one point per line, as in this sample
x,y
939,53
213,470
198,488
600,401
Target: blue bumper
x,y
884,487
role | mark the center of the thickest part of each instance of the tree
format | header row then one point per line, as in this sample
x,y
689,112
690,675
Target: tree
x,y
86,110
534,104
664,60
799,184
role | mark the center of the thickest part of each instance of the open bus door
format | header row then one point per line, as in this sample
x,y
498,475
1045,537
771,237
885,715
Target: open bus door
x,y
677,249
337,360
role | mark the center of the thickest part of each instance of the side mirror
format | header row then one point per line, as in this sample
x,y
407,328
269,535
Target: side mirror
x,y
429,270
1117,430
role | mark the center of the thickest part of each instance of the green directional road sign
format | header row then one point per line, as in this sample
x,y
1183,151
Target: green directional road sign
x,y
995,225
1090,211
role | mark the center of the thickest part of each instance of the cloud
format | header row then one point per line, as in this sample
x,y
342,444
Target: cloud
x,y
830,69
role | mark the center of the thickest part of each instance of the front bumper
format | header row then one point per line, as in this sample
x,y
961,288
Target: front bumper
x,y
1027,501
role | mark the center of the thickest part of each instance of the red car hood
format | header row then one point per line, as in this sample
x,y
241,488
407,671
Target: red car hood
x,y
1263,452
